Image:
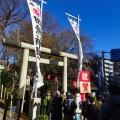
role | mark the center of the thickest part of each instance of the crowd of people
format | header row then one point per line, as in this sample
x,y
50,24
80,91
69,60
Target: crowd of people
x,y
62,106
59,106
70,106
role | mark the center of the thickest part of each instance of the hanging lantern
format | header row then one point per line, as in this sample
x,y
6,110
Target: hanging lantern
x,y
74,84
48,77
55,79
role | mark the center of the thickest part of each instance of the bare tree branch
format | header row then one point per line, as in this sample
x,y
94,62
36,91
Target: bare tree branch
x,y
11,12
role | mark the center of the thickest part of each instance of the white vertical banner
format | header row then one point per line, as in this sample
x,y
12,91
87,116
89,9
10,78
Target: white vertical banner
x,y
37,36
75,25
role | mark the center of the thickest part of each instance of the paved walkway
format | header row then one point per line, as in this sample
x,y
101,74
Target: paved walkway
x,y
2,113
2,105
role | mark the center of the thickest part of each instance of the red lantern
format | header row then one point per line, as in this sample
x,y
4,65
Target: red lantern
x,y
55,79
74,84
48,77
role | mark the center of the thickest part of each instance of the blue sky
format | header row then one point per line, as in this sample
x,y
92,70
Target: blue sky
x,y
100,19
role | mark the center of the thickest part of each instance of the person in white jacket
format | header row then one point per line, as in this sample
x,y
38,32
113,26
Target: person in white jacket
x,y
79,104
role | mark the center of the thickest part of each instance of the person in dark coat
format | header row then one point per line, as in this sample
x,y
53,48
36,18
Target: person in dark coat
x,y
50,104
92,112
26,103
69,106
85,104
110,109
57,107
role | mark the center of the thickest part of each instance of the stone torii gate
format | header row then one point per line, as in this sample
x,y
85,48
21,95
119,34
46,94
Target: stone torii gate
x,y
26,58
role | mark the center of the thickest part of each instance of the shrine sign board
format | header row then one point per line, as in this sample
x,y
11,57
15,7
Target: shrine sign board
x,y
84,78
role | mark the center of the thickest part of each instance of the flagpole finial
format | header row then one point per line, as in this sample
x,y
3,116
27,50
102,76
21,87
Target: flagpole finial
x,y
43,1
72,16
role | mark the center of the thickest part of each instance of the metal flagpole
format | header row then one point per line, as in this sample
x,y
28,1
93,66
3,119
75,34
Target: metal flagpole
x,y
80,54
42,8
80,46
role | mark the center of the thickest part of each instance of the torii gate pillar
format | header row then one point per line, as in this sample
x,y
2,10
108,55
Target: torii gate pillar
x,y
65,74
22,83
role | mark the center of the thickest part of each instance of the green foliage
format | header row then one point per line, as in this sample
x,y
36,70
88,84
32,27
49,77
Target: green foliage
x,y
15,93
6,78
43,117
7,81
50,85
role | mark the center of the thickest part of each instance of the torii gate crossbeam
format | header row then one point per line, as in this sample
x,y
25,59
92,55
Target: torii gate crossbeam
x,y
27,58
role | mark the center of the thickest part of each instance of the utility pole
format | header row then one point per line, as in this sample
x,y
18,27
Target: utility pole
x,y
103,65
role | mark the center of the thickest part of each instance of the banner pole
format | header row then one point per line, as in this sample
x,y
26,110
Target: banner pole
x,y
36,14
75,25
